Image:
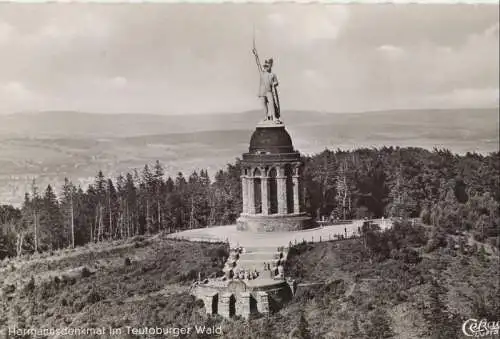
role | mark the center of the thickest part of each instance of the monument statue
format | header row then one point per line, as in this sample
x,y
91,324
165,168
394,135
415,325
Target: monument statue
x,y
268,92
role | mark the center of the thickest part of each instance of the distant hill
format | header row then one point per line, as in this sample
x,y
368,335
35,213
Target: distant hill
x,y
55,124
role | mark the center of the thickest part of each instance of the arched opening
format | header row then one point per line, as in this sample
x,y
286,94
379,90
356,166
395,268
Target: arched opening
x,y
289,188
253,305
215,302
257,190
232,305
273,191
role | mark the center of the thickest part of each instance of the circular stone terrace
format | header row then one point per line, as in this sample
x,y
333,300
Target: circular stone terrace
x,y
273,239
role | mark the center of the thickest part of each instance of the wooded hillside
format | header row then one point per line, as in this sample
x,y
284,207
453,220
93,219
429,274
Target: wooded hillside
x,y
455,193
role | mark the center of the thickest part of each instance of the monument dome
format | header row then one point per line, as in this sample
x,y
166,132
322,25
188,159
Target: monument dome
x,y
270,140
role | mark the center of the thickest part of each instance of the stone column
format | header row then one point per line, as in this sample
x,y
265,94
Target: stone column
x,y
244,193
243,305
281,188
208,300
262,302
296,194
250,195
224,305
264,184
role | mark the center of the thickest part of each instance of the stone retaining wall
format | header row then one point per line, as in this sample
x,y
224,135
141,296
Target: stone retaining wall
x,y
261,300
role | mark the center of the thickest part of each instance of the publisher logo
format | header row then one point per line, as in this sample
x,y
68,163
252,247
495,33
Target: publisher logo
x,y
480,328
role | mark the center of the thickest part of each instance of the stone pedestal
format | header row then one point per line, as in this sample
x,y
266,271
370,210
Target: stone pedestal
x,y
274,222
271,177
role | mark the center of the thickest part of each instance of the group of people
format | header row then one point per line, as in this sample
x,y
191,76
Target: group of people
x,y
244,274
275,270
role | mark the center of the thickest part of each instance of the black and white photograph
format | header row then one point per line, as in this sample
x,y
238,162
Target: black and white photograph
x,y
249,170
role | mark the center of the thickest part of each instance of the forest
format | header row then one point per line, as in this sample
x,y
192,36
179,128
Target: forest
x,y
455,193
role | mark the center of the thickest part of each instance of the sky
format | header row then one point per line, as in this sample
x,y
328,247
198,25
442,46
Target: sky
x,y
184,59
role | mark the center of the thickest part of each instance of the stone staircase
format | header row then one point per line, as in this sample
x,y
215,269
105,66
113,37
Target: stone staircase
x,y
258,259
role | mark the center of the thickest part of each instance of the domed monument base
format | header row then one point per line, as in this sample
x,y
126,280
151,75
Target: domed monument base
x,y
271,182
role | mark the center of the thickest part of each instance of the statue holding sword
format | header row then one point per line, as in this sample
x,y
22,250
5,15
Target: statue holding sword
x,y
268,92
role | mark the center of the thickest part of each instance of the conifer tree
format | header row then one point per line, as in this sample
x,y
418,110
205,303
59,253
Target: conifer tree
x,y
379,326
10,229
34,209
111,209
302,330
159,194
442,323
344,191
52,231
68,208
100,190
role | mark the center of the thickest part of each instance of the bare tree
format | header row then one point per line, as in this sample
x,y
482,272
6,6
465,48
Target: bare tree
x,y
35,199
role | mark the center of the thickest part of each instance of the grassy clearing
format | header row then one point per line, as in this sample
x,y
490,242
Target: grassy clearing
x,y
143,282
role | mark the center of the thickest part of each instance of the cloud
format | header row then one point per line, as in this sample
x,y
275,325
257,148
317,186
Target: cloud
x,y
16,96
315,78
119,82
16,91
196,58
51,32
391,51
306,23
70,30
492,31
6,32
467,97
